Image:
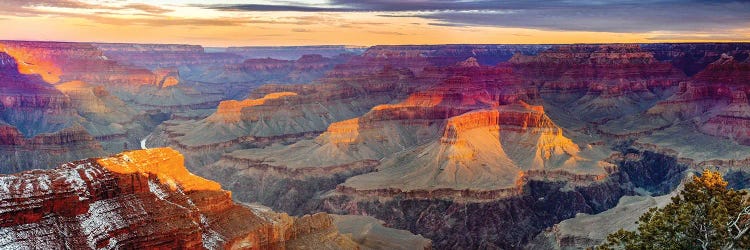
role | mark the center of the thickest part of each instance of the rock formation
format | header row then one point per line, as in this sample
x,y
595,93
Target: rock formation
x,y
598,82
154,56
470,146
280,113
694,57
371,234
456,140
268,70
590,230
293,52
144,199
38,122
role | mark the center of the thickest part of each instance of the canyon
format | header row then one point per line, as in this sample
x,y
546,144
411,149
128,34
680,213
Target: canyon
x,y
426,146
146,199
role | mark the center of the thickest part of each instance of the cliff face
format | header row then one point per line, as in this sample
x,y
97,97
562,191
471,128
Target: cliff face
x,y
726,70
417,58
482,154
294,52
449,141
727,78
466,141
37,122
501,223
142,199
599,82
154,56
694,57
305,69
112,122
74,61
19,153
714,100
137,86
279,113
30,104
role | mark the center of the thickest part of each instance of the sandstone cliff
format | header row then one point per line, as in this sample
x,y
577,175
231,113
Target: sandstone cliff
x,y
143,199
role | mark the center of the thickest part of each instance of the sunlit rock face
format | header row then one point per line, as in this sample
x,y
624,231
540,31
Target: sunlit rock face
x,y
448,141
58,61
279,114
86,105
144,199
38,123
472,138
29,103
157,91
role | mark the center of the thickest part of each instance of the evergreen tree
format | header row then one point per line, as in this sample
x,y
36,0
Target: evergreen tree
x,y
705,215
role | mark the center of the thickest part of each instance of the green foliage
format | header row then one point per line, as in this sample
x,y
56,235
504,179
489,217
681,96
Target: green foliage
x,y
705,215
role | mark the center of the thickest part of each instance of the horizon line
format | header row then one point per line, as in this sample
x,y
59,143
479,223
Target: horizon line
x,y
369,46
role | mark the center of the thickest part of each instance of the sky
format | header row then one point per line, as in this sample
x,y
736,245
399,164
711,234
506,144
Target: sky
x,y
370,22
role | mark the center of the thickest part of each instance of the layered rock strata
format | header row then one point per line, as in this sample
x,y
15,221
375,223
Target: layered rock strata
x,y
144,199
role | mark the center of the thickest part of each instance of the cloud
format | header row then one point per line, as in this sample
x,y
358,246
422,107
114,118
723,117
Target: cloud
x,y
37,7
604,15
699,37
613,17
391,33
147,8
366,6
268,7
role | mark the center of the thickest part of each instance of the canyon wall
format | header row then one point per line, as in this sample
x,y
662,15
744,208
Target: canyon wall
x,y
144,199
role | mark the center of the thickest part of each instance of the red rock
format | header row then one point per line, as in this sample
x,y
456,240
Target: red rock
x,y
725,70
142,199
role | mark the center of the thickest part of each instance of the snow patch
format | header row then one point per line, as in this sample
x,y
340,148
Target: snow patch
x,y
211,239
156,190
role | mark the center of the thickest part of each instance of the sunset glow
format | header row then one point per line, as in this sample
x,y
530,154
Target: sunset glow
x,y
214,23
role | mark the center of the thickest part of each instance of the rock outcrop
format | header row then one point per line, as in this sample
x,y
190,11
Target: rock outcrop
x,y
294,52
38,122
371,234
20,153
135,85
30,104
471,146
155,56
279,113
589,230
694,57
303,70
116,125
598,82
457,140
144,199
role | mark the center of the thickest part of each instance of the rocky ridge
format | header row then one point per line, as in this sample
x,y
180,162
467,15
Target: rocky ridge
x,y
144,198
